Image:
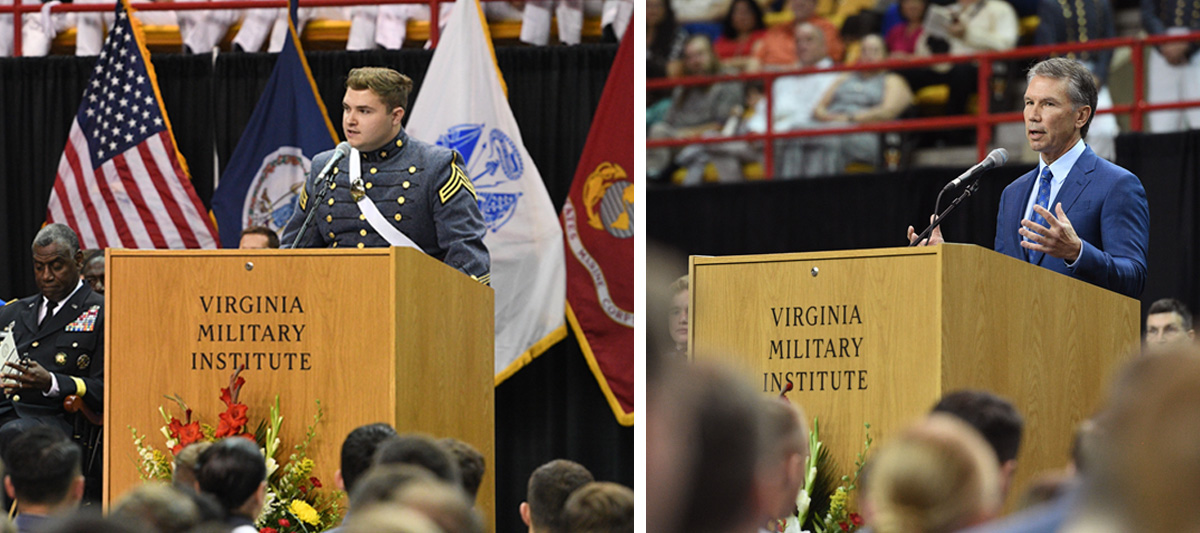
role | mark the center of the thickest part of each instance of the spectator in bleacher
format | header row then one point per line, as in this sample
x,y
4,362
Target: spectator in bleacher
x,y
697,111
204,29
549,487
1080,22
936,476
1169,323
1173,71
861,97
742,29
902,38
36,35
664,55
794,99
974,26
777,49
839,11
259,24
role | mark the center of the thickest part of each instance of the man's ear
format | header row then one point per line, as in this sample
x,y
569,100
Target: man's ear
x,y
524,509
397,116
1082,118
339,481
77,489
8,487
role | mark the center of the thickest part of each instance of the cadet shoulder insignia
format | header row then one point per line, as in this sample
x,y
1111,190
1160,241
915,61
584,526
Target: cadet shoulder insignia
x,y
458,180
304,198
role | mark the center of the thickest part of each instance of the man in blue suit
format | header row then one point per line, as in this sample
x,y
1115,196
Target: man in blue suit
x,y
1099,228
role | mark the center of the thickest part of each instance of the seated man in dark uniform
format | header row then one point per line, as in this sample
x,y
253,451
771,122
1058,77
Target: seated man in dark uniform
x,y
391,190
59,340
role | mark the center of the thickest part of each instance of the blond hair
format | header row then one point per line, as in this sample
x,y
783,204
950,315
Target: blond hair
x,y
937,476
391,86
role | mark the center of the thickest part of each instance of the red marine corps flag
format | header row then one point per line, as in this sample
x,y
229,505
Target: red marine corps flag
x,y
121,181
598,226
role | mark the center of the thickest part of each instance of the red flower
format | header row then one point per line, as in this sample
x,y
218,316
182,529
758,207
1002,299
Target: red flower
x,y
856,519
268,530
303,490
233,420
844,526
283,522
316,483
184,434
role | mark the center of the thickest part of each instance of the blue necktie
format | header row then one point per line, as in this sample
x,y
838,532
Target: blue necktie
x,y
1043,199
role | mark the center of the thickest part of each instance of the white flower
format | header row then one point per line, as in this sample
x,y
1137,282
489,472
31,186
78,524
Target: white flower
x,y
271,466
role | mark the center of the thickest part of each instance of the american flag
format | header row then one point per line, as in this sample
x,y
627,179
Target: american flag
x,y
121,182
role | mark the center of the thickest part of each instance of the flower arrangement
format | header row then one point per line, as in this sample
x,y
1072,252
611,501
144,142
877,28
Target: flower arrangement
x,y
294,501
823,504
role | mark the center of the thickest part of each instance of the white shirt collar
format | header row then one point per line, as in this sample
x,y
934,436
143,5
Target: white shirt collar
x,y
1062,166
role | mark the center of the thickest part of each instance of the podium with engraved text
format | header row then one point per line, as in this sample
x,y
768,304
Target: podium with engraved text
x,y
877,336
376,335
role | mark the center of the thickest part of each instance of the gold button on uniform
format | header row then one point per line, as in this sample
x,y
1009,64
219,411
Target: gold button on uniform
x,y
374,170
332,186
412,170
17,398
362,217
399,143
331,201
74,344
35,344
328,218
331,235
362,232
406,184
400,200
382,154
369,185
335,170
360,245
398,217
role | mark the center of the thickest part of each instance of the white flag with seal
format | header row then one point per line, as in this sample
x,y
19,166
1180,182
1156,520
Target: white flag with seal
x,y
462,105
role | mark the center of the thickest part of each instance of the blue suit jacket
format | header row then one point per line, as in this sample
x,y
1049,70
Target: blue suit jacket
x,y
1107,207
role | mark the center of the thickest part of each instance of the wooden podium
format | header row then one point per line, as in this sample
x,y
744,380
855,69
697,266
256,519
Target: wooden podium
x,y
377,335
877,336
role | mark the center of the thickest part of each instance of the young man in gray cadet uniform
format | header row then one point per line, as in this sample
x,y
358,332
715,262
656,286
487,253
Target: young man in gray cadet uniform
x,y
392,190
59,338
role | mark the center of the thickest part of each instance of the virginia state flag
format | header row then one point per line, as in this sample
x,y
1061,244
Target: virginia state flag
x,y
264,175
463,105
598,221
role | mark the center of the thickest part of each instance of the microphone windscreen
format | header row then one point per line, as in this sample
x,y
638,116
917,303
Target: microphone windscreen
x,y
343,149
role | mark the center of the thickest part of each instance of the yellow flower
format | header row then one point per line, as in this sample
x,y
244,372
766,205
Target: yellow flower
x,y
304,512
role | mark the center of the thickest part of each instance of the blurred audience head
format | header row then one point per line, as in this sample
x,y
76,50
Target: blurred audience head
x,y
743,17
471,464
1143,465
258,238
381,483
43,471
1169,323
93,272
159,507
234,471
358,451
678,319
995,419
698,56
443,503
548,489
803,9
937,476
419,450
715,436
600,507
913,10
783,454
389,519
872,49
810,43
184,473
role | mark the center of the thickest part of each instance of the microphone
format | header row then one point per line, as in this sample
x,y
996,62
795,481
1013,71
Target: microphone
x,y
341,151
997,158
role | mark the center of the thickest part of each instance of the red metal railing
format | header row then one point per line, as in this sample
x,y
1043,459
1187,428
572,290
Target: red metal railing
x,y
982,121
14,10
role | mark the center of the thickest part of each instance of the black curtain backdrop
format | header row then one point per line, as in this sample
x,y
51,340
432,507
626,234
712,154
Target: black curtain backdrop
x,y
551,409
873,211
